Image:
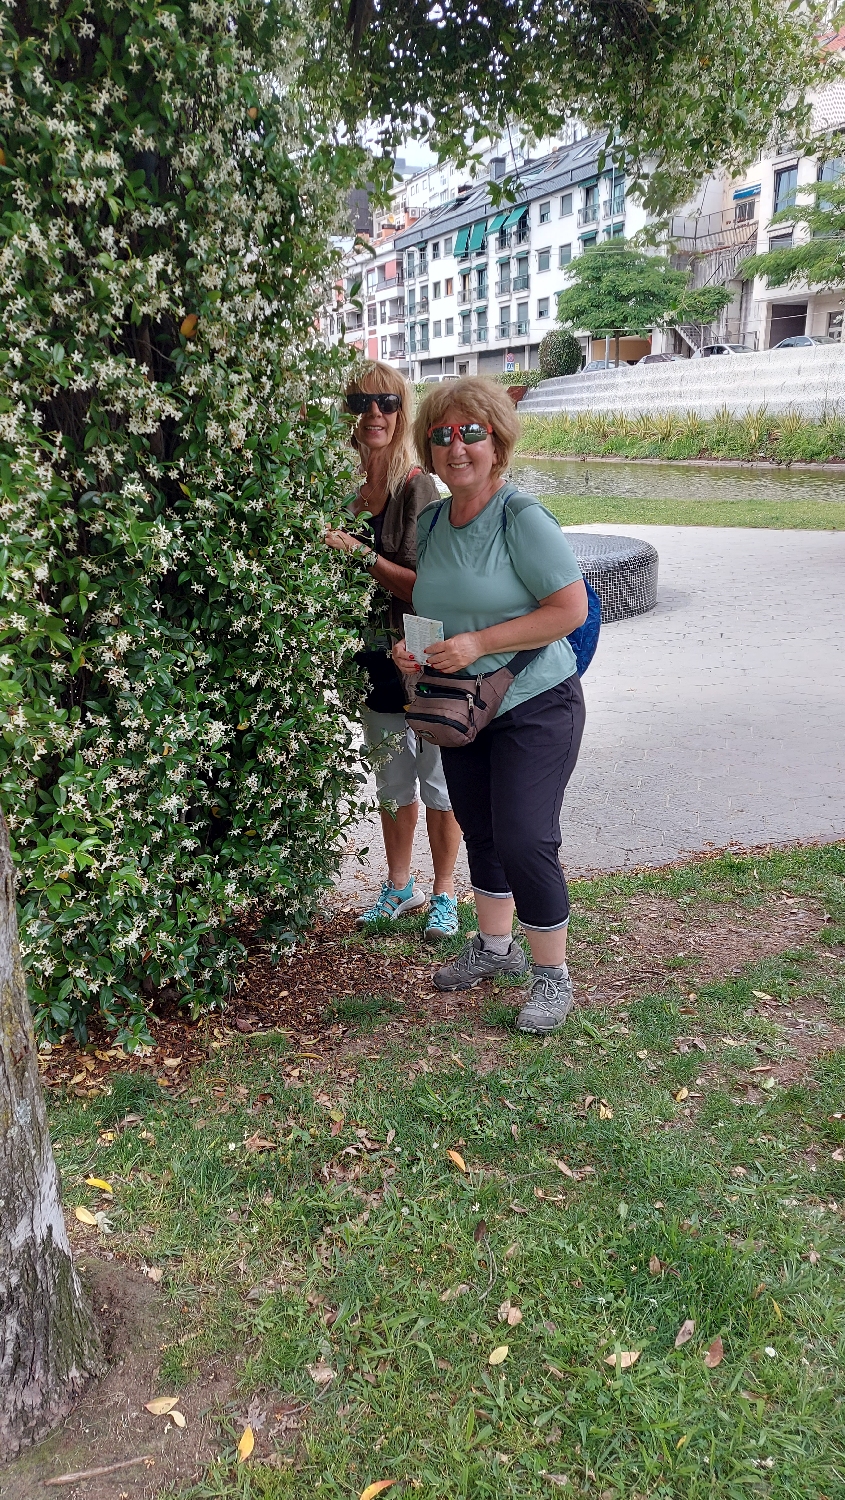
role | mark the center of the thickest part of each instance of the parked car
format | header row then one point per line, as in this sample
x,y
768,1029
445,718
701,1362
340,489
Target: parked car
x,y
804,341
658,359
599,364
709,349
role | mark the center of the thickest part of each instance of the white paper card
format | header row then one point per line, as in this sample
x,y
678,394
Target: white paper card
x,y
419,633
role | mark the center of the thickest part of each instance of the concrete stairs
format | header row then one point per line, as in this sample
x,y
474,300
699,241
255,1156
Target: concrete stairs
x,y
809,381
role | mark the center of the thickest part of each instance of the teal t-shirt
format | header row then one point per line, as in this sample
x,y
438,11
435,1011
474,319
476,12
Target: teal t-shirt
x,y
475,575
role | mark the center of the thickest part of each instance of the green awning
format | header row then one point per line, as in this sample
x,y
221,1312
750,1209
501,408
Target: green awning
x,y
476,239
496,222
481,306
503,260
460,247
515,215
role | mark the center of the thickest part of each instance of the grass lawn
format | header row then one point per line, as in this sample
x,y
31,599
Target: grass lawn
x,y
786,515
428,1255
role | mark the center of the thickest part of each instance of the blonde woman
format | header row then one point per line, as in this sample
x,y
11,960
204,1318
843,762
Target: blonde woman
x,y
494,566
391,497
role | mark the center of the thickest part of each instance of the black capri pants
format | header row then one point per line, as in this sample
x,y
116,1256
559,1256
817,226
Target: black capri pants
x,y
506,790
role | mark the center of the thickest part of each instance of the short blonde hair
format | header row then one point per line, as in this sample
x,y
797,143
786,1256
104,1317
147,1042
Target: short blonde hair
x,y
478,400
371,377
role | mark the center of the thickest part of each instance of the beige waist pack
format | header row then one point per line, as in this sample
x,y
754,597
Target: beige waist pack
x,y
451,711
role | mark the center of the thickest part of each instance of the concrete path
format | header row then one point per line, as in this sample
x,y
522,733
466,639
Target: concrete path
x,y
717,718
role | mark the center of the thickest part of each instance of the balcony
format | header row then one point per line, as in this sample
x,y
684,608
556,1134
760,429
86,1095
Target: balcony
x,y
465,339
521,330
422,348
503,331
503,288
422,305
520,283
613,208
464,299
482,336
397,280
398,353
589,214
521,235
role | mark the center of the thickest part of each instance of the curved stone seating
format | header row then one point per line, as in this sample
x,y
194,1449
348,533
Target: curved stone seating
x,y
621,569
810,381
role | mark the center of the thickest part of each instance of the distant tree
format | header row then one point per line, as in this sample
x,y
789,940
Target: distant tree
x,y
820,260
616,289
560,353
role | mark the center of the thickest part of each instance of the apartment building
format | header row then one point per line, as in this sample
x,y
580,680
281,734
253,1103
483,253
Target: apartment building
x,y
481,280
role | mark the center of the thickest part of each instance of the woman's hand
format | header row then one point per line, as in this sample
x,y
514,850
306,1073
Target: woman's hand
x,y
343,542
404,661
459,651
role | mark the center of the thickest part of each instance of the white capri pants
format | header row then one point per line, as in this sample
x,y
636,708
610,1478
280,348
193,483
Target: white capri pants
x,y
416,761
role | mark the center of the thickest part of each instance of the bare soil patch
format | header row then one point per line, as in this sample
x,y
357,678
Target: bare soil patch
x,y
109,1423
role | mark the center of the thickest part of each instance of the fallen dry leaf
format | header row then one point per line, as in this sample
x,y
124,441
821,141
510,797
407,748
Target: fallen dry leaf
x,y
681,1095
177,1417
98,1182
655,1265
715,1354
627,1358
188,326
154,1273
560,1481
685,1332
498,1355
761,995
455,1291
85,1216
514,1317
376,1489
566,1170
480,1231
778,1313
161,1406
838,1154
246,1444
321,1373
259,1142
455,1156
605,1111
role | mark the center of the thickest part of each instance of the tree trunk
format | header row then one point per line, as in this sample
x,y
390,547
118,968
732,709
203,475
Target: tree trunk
x,y
49,1345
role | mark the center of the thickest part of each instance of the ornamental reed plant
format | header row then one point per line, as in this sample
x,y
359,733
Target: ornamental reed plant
x,y
174,631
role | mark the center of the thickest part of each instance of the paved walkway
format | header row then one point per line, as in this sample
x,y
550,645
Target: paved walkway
x,y
717,718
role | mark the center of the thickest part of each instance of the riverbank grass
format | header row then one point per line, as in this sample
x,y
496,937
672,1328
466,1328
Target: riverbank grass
x,y
624,510
607,1264
783,438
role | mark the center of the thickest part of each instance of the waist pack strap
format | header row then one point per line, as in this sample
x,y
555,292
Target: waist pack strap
x,y
523,659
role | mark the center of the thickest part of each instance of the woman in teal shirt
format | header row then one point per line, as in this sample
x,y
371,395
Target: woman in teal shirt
x,y
495,568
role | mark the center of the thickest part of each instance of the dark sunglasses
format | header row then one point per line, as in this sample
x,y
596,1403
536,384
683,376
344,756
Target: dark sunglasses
x,y
469,432
360,401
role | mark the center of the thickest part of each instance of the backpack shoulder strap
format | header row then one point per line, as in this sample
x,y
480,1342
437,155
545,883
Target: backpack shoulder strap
x,y
426,522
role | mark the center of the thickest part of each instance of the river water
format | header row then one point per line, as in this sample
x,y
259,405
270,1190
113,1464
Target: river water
x,y
678,481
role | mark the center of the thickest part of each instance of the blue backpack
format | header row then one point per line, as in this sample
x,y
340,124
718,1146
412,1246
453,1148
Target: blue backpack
x,y
585,639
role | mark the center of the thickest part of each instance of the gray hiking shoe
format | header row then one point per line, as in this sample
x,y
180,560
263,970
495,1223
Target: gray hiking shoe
x,y
549,1003
475,962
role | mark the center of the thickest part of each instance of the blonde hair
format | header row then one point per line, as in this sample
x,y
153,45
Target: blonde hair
x,y
478,400
376,379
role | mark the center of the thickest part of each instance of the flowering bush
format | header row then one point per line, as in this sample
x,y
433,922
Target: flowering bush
x,y
174,631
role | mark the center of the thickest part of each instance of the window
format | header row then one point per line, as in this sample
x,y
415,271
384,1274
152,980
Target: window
x,y
371,315
423,262
435,332
781,241
618,196
564,256
410,263
481,323
786,183
565,205
412,301
834,323
423,299
463,294
497,167
520,280
481,281
504,329
449,286
588,241
435,250
435,290
745,210
504,287
522,319
384,347
544,260
422,336
450,328
463,367
542,307
545,211
382,312
447,245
